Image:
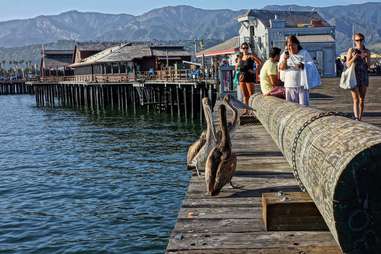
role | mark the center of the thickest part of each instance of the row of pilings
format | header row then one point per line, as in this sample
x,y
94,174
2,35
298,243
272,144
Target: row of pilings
x,y
13,88
182,101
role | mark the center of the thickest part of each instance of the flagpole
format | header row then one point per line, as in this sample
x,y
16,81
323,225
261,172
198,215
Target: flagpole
x,y
353,35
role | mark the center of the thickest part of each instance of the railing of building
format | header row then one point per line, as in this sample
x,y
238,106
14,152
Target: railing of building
x,y
161,75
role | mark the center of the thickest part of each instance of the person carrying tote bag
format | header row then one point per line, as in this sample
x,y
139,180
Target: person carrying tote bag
x,y
359,57
348,78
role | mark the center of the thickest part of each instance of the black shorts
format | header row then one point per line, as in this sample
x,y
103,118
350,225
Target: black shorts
x,y
247,77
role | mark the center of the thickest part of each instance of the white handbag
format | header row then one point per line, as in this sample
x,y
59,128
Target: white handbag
x,y
348,78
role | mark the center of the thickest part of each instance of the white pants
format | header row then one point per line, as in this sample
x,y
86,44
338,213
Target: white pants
x,y
298,95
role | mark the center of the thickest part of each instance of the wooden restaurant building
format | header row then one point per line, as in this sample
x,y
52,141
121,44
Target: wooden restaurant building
x,y
57,63
130,61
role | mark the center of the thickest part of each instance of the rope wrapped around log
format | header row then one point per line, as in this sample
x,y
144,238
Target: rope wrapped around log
x,y
337,161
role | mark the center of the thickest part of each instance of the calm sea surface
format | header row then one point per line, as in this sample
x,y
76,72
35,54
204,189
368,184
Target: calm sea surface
x,y
75,183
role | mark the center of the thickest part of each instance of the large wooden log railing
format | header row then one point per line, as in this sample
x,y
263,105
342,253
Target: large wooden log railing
x,y
338,162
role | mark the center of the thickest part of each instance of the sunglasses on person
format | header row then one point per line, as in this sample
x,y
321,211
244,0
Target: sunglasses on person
x,y
359,40
245,48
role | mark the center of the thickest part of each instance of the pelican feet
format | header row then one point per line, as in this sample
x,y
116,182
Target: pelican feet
x,y
235,186
198,172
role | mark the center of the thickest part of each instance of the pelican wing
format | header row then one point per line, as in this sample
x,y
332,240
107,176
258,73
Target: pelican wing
x,y
225,172
194,149
211,167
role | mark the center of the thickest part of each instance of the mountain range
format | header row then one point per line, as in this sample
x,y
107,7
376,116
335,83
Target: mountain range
x,y
173,23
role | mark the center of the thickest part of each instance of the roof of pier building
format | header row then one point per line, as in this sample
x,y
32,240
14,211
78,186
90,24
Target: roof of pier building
x,y
57,59
230,46
84,50
129,52
292,18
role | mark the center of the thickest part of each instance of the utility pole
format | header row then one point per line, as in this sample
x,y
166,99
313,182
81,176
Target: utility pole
x,y
195,49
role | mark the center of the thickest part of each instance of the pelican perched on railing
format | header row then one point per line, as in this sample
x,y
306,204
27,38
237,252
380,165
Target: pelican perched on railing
x,y
200,156
221,162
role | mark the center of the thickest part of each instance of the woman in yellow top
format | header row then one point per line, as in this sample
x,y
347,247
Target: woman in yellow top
x,y
269,72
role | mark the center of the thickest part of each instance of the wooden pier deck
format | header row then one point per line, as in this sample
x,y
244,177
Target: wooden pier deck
x,y
232,222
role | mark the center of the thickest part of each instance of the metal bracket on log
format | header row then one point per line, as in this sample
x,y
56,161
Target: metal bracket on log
x,y
338,161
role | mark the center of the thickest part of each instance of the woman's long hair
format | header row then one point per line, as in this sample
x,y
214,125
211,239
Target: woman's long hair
x,y
294,40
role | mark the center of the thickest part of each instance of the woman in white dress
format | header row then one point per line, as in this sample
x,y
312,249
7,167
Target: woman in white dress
x,y
291,65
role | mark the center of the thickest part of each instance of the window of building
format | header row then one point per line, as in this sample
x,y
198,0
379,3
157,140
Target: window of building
x,y
115,68
123,68
108,68
252,31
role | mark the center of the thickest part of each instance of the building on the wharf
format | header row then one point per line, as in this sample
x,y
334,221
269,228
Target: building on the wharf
x,y
55,63
222,55
265,29
127,61
226,50
83,50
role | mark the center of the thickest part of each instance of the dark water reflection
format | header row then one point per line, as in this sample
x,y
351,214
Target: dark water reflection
x,y
73,183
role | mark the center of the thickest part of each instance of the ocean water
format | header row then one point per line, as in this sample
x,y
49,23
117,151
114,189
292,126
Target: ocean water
x,y
72,182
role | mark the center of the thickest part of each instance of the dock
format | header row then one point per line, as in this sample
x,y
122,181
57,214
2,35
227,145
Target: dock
x,y
233,222
179,98
15,87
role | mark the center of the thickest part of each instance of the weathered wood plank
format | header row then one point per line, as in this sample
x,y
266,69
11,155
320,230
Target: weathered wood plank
x,y
223,225
249,240
289,250
292,211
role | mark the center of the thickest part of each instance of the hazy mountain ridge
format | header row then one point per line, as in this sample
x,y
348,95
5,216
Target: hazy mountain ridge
x,y
168,24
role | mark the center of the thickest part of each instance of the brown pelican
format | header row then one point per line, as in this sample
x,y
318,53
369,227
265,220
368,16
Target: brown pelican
x,y
221,163
232,125
195,148
210,139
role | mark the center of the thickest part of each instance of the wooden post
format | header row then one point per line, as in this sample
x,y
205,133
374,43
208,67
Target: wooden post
x,y
192,103
134,99
112,97
125,99
171,99
91,98
185,103
97,98
200,104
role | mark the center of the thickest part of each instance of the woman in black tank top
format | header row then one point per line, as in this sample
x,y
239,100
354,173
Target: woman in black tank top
x,y
247,76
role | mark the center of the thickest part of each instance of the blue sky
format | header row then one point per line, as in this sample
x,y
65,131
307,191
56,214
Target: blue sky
x,y
15,9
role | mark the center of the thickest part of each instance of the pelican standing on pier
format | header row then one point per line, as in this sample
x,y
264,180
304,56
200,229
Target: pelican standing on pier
x,y
232,125
200,157
194,149
221,162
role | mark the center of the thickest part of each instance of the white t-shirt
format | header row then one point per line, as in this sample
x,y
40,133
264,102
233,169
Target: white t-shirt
x,y
292,75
